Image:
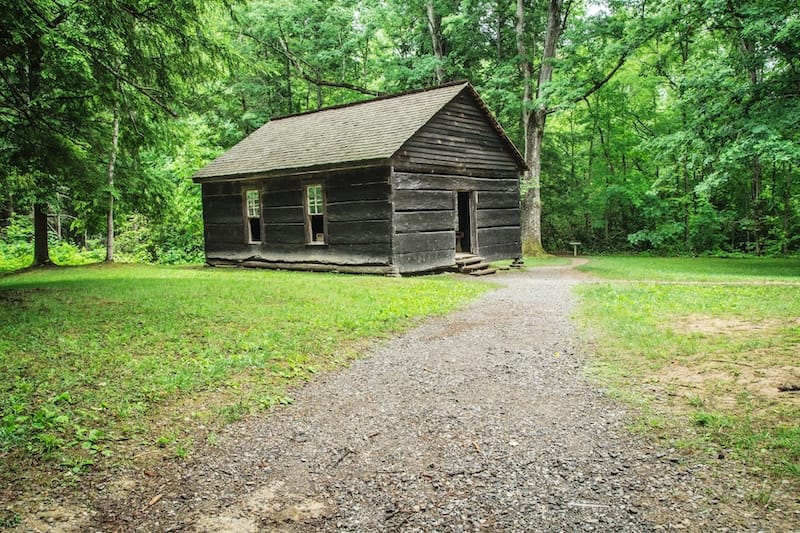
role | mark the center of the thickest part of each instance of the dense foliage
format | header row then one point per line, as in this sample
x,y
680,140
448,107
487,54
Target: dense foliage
x,y
672,127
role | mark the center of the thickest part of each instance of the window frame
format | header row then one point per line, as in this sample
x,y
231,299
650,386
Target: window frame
x,y
246,205
318,208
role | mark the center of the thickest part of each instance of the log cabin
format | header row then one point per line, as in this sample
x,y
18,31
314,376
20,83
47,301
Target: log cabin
x,y
394,185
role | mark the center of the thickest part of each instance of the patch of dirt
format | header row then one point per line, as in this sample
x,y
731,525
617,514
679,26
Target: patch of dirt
x,y
271,505
722,381
722,325
16,297
48,516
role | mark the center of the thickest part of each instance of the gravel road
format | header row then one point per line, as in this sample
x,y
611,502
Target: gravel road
x,y
481,420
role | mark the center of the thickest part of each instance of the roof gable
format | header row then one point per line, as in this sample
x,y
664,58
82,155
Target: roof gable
x,y
364,132
462,136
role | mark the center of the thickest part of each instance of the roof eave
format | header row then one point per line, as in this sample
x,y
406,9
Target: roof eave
x,y
298,171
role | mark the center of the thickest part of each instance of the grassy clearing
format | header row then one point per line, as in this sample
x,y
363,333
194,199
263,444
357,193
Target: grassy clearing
x,y
705,361
694,268
98,359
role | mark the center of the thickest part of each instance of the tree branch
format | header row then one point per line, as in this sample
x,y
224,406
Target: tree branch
x,y
599,83
298,62
144,91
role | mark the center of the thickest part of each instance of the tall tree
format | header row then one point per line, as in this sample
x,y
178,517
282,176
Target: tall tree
x,y
112,160
534,117
437,39
57,60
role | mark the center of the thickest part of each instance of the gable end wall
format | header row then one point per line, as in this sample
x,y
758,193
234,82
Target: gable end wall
x,y
425,218
459,139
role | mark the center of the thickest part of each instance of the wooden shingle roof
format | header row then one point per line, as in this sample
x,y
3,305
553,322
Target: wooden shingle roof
x,y
361,134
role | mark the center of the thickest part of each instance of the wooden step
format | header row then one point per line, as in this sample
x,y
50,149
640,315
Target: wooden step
x,y
472,264
468,259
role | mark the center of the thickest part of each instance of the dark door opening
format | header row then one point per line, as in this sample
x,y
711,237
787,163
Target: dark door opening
x,y
464,226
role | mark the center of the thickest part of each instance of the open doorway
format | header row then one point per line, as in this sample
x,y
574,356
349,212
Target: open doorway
x,y
465,232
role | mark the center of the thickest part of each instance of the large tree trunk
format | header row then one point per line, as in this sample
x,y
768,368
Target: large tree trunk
x,y
41,251
437,40
534,121
112,160
532,202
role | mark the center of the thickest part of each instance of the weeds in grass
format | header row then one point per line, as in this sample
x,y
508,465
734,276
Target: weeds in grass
x,y
762,498
706,358
95,356
695,400
9,519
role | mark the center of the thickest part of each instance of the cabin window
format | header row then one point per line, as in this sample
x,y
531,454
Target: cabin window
x,y
253,215
315,214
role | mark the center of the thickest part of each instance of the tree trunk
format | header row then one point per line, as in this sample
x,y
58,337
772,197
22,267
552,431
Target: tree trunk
x,y
499,8
757,210
532,203
787,207
435,29
112,160
534,121
525,67
41,248
41,251
754,77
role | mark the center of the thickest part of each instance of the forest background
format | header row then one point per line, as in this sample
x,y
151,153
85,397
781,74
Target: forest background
x,y
668,127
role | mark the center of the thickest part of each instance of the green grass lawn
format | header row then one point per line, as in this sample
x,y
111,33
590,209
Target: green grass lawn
x,y
95,359
694,268
704,360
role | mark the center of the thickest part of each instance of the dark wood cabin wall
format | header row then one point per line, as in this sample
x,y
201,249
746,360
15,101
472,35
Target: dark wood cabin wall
x,y
425,218
358,220
460,139
498,224
223,220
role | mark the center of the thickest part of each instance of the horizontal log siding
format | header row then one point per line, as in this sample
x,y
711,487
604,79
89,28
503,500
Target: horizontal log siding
x,y
499,200
446,182
424,223
353,254
499,243
412,221
414,200
358,210
460,138
499,234
223,217
489,218
425,218
358,215
282,214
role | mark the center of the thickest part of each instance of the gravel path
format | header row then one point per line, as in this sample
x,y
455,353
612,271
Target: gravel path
x,y
480,420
